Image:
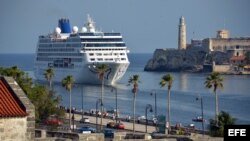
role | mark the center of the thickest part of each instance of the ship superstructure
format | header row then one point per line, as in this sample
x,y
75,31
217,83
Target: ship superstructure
x,y
77,53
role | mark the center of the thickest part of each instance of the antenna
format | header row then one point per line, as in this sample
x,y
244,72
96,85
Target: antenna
x,y
224,24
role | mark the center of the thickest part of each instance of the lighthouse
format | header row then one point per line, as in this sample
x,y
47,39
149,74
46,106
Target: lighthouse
x,y
182,34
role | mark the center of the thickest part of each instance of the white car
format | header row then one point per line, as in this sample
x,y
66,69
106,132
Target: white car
x,y
84,120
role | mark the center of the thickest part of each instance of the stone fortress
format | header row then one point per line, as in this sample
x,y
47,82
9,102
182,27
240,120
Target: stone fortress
x,y
221,54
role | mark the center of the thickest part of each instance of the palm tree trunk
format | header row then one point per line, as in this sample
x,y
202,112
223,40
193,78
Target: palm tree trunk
x,y
70,109
102,101
134,113
216,108
169,124
50,84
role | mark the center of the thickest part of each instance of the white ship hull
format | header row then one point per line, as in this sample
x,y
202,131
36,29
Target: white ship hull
x,y
86,74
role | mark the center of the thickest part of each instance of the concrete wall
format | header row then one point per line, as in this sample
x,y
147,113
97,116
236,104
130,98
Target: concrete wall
x,y
221,68
13,129
43,135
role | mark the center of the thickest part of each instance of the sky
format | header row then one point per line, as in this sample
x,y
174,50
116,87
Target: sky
x,y
145,24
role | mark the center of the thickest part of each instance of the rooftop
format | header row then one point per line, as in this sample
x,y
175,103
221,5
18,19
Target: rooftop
x,y
10,105
237,58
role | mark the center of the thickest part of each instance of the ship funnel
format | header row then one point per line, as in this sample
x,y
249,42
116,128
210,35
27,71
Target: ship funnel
x,y
64,25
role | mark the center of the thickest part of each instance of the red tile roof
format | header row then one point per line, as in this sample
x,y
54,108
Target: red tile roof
x,y
237,58
10,106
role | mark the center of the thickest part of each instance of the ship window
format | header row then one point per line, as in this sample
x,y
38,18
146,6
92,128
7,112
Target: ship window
x,y
91,54
109,59
98,54
100,59
122,53
124,59
92,59
107,54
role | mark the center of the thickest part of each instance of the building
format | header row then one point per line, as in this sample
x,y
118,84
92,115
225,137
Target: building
x,y
196,43
233,46
182,34
17,114
223,34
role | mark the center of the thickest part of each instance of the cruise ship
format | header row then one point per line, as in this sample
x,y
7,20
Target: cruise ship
x,y
77,52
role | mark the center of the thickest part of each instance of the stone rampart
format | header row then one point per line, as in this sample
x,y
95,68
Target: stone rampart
x,y
13,129
176,60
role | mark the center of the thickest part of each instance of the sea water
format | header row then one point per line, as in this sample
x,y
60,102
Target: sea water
x,y
233,98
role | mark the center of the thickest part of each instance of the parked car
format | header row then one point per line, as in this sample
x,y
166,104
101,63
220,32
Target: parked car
x,y
108,133
87,129
120,126
111,124
94,112
84,120
53,120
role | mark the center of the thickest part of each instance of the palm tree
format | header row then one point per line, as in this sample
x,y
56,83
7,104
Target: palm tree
x,y
134,80
49,74
68,82
215,80
101,70
167,79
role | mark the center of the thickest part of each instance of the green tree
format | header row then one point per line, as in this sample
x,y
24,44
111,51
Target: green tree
x,y
167,80
45,102
15,72
68,83
101,70
224,118
215,81
134,80
49,74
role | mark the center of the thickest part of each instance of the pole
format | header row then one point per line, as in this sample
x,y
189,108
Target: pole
x,y
73,119
202,117
155,107
146,115
134,113
116,105
70,109
82,103
96,107
102,102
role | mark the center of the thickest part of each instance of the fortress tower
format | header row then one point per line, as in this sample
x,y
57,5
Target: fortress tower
x,y
182,34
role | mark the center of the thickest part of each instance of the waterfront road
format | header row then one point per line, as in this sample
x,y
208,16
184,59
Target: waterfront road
x,y
128,125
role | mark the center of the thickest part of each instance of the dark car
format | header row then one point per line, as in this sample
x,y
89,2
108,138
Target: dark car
x,y
84,120
108,133
111,124
87,129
